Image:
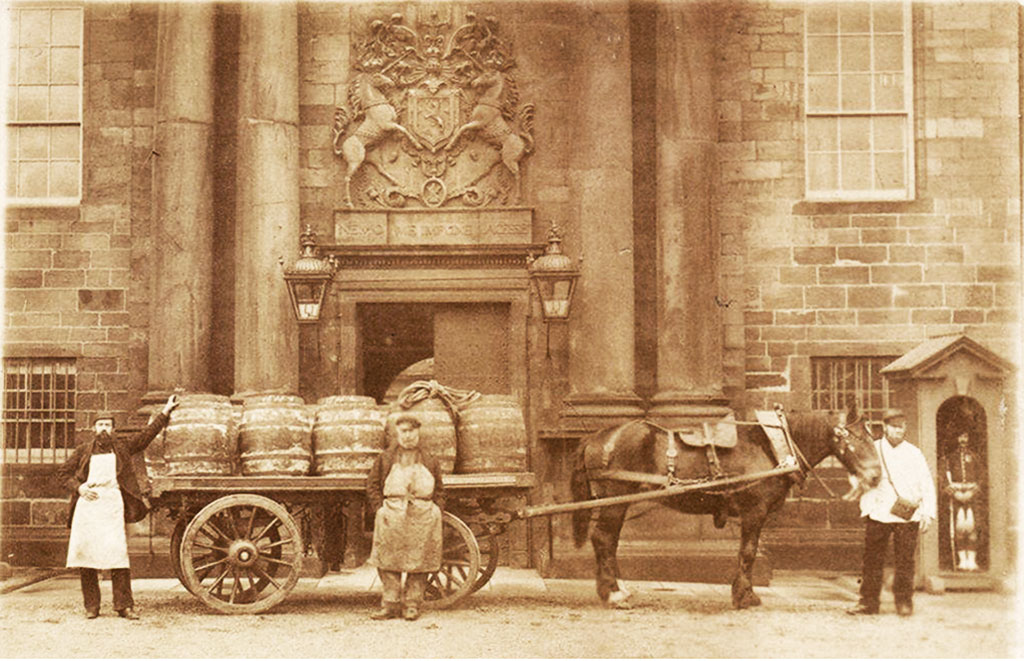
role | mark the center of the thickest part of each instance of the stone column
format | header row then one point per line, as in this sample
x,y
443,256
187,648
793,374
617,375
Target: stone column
x,y
601,368
179,332
267,218
689,364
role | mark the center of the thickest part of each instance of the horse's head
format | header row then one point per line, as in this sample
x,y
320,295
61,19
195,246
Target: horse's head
x,y
854,446
486,80
381,81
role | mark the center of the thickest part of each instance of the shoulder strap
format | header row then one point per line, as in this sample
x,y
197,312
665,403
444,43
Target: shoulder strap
x,y
888,475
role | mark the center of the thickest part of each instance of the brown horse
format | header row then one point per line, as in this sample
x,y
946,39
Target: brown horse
x,y
640,447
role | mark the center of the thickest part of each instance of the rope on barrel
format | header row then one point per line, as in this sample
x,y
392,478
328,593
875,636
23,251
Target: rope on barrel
x,y
452,398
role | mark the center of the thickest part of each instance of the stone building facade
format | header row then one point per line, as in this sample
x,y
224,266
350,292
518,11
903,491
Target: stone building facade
x,y
674,143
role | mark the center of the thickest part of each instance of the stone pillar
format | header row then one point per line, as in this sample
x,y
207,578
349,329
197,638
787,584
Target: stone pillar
x,y
182,289
601,368
267,218
689,364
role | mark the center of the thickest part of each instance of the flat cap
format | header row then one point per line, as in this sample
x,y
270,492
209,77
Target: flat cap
x,y
892,414
103,415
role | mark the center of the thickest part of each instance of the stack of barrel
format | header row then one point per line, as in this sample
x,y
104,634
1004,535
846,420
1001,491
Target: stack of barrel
x,y
276,433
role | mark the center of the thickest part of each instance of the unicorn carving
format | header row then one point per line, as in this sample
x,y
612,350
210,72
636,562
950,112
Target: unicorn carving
x,y
490,120
368,101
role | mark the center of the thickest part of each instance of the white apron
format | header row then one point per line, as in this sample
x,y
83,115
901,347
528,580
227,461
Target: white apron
x,y
98,539
407,528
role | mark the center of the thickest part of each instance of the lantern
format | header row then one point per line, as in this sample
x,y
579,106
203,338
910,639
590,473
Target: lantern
x,y
308,279
554,278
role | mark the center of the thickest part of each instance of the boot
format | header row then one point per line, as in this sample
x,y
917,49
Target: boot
x,y
387,611
972,561
961,560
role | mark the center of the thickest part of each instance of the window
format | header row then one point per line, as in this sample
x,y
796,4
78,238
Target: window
x,y
835,381
44,113
39,409
858,90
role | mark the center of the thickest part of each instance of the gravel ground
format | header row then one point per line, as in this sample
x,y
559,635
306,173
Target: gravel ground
x,y
561,618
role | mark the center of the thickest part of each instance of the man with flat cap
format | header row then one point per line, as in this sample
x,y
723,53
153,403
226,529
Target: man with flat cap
x,y
105,496
901,506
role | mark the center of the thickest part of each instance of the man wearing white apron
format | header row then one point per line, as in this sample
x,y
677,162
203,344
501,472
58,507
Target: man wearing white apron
x,y
105,496
404,488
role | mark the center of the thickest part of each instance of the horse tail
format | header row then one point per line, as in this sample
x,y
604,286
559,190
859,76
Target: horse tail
x,y
525,126
580,488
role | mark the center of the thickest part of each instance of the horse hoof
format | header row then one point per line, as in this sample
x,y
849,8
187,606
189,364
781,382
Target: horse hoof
x,y
619,600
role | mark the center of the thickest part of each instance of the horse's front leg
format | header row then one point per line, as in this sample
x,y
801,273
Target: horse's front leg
x,y
743,585
394,126
468,126
605,538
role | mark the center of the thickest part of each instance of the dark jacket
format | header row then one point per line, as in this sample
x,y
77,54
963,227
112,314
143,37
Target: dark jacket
x,y
382,467
75,471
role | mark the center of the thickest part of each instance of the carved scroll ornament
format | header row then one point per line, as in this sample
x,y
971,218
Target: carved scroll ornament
x,y
433,117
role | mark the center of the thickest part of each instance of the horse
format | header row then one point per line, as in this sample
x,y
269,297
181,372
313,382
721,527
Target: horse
x,y
642,447
489,121
367,98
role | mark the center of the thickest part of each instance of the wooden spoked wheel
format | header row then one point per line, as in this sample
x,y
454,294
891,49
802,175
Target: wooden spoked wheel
x,y
241,554
488,543
460,564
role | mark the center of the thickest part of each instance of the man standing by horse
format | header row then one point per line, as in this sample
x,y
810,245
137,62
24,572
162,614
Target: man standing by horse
x,y
901,506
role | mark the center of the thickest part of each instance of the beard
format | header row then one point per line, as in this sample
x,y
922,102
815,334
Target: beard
x,y
104,439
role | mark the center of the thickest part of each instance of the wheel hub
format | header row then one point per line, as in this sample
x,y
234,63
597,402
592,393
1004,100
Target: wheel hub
x,y
243,553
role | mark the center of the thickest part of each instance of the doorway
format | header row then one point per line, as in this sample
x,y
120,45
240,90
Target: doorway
x,y
460,345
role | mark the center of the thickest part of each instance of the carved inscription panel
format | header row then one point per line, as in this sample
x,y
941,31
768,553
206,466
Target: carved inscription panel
x,y
403,228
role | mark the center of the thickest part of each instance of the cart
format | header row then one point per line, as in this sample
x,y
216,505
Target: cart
x,y
238,542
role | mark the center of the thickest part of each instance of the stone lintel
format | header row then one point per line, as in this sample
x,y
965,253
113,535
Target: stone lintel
x,y
419,227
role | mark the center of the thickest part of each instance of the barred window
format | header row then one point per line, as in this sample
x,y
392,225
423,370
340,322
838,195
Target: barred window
x,y
858,107
39,409
838,381
44,113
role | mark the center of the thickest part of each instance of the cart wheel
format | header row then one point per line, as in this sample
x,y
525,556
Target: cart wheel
x,y
488,543
241,554
177,535
460,563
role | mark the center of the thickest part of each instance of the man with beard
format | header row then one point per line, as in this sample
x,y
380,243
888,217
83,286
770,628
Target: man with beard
x,y
106,496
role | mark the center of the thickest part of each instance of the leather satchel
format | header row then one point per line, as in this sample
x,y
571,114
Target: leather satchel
x,y
902,508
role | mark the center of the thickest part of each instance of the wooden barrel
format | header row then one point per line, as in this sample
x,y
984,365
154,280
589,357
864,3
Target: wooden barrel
x,y
348,434
492,436
200,436
156,465
275,435
437,431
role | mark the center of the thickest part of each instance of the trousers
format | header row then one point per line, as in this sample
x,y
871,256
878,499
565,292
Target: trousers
x,y
121,580
415,586
904,544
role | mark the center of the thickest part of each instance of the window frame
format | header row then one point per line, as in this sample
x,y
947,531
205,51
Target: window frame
x,y
862,397
52,421
908,192
11,125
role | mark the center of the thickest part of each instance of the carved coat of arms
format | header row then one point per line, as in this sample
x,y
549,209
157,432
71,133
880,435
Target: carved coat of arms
x,y
433,117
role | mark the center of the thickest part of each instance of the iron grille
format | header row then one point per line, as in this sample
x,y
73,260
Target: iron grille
x,y
838,381
39,409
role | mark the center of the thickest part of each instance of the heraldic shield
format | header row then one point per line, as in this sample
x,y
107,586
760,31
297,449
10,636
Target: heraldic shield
x,y
433,117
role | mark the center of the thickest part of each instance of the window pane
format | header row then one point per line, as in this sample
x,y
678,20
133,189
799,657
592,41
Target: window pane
x,y
888,16
821,134
823,93
822,171
822,54
856,92
33,142
889,171
32,180
35,27
889,91
64,102
32,103
888,133
66,27
64,66
32,67
856,53
856,172
64,142
855,133
821,17
853,17
889,53
64,179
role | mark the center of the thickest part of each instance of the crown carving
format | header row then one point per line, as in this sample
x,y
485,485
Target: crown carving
x,y
432,117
